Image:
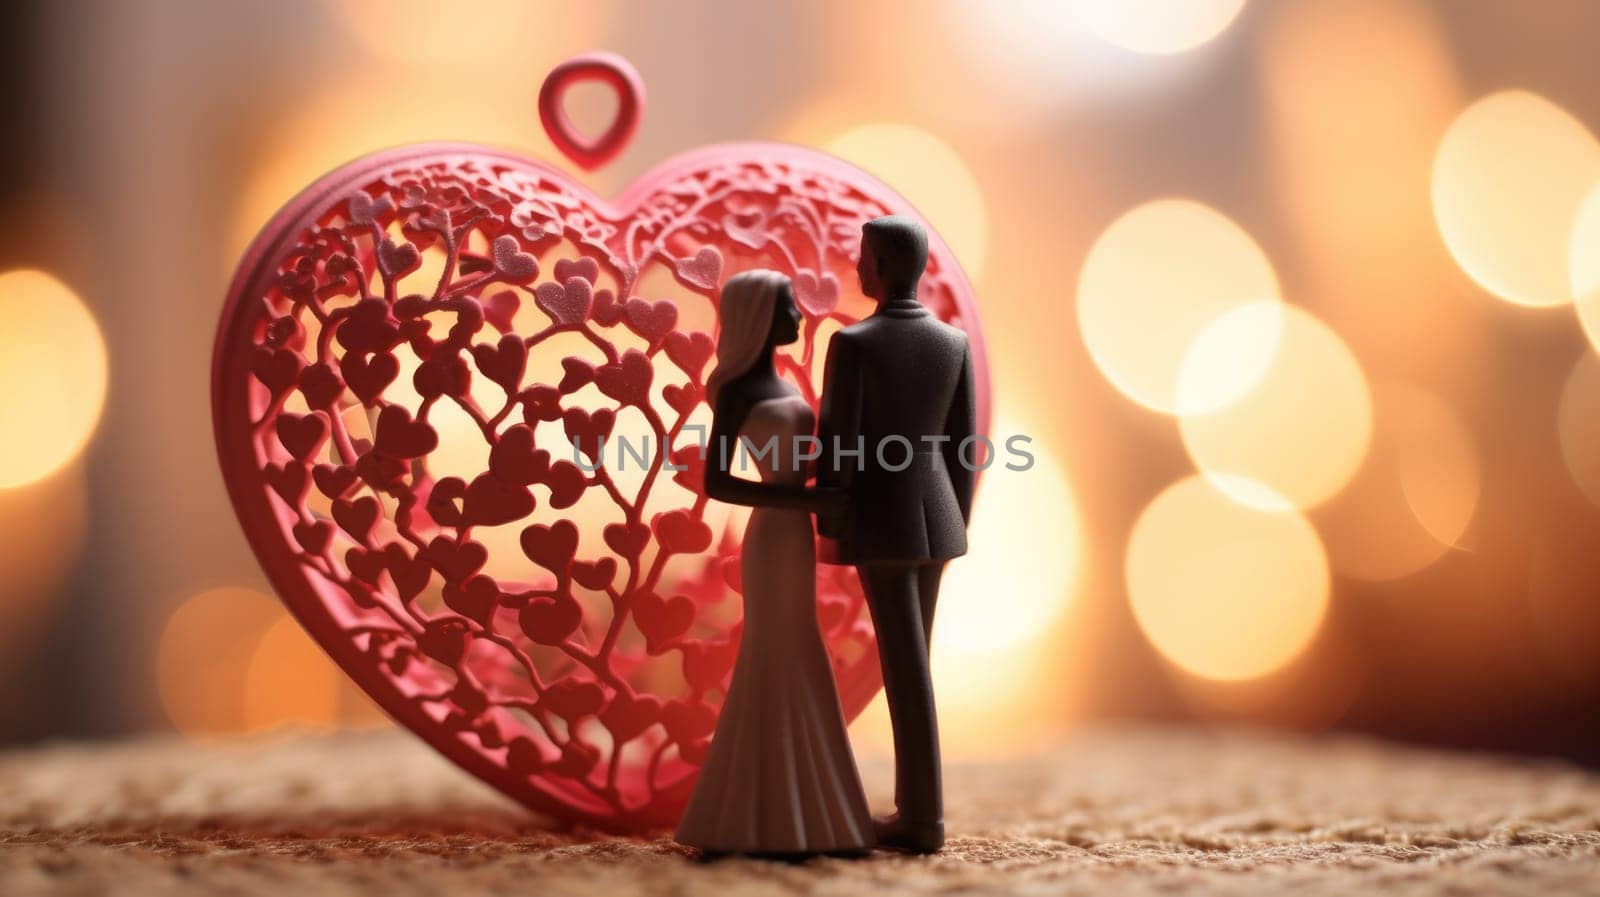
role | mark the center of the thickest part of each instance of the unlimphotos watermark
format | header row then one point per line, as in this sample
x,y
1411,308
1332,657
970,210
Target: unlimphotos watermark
x,y
892,453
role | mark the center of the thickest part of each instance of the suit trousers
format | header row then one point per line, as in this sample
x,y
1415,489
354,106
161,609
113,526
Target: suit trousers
x,y
901,598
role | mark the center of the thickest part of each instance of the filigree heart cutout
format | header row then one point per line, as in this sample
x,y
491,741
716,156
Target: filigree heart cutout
x,y
420,372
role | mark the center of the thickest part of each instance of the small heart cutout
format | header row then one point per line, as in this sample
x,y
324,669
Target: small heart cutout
x,y
551,547
662,620
549,621
565,303
366,210
690,351
626,380
511,263
702,270
500,309
398,259
588,431
651,320
585,267
504,362
320,386
816,295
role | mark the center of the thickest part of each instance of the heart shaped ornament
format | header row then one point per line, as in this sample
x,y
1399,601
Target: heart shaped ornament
x,y
459,406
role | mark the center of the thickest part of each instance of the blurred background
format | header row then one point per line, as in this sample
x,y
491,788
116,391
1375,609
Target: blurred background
x,y
1298,301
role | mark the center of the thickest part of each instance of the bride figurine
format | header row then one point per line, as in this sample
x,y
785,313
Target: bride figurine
x,y
779,778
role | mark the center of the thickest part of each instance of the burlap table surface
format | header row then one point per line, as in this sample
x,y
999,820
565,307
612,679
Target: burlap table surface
x,y
1127,810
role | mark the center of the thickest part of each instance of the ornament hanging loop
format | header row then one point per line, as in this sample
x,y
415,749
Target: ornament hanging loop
x,y
621,77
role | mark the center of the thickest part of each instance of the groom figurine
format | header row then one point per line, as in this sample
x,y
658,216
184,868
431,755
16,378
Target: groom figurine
x,y
897,413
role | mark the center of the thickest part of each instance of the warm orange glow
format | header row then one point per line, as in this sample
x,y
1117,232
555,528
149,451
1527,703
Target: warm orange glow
x,y
1507,181
1334,75
1583,258
1414,497
290,682
1158,27
413,31
370,110
1024,543
931,175
1024,555
232,660
1565,622
1438,463
1221,590
1578,423
1309,694
1152,282
43,524
1300,432
52,376
204,657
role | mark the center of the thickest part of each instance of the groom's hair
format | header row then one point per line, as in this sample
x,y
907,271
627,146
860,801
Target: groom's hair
x,y
900,247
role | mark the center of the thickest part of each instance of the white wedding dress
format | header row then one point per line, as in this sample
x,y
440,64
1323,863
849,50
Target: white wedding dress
x,y
780,776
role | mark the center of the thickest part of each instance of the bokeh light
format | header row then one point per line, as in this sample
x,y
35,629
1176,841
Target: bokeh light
x,y
1507,182
1221,590
1583,259
1024,544
44,524
931,175
1158,27
290,681
1301,431
1415,495
1152,282
374,110
1578,424
1354,158
232,660
1371,261
1310,693
52,376
413,31
204,658
1438,463
1025,547
1565,621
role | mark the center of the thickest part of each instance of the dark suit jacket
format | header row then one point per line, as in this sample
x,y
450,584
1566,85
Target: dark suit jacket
x,y
894,380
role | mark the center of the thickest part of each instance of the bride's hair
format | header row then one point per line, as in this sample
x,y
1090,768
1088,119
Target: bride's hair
x,y
748,302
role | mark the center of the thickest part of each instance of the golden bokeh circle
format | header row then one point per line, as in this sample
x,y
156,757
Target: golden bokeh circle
x,y
204,655
1026,543
1158,27
1413,498
52,376
372,110
289,681
232,660
1578,425
485,32
931,175
1583,264
1508,179
1301,431
1153,280
1221,590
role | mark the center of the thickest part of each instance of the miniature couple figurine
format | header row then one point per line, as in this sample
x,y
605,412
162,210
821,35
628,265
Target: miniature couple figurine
x,y
780,778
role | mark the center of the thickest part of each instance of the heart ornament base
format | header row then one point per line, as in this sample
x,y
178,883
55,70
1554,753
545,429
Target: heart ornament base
x,y
459,402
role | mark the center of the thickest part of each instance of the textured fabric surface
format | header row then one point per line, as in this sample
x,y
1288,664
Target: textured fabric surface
x,y
1128,811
